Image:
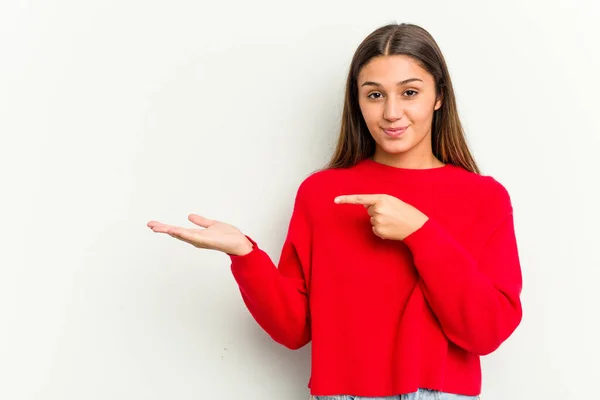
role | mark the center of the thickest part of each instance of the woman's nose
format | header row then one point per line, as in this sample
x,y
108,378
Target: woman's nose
x,y
393,109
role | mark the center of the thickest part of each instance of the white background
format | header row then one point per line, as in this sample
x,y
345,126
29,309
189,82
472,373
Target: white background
x,y
113,113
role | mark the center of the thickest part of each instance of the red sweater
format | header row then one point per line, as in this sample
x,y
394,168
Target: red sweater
x,y
387,317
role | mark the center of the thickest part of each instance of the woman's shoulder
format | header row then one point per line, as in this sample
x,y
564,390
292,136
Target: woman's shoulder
x,y
496,201
317,180
485,192
493,190
484,183
318,187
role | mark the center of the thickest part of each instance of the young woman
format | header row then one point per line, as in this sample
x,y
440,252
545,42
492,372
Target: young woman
x,y
400,263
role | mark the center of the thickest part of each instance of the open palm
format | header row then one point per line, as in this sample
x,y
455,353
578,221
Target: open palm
x,y
215,235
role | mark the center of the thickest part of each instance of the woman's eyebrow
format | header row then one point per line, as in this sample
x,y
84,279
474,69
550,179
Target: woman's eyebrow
x,y
404,82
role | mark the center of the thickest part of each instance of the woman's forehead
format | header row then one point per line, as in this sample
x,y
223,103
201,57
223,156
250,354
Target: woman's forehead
x,y
393,69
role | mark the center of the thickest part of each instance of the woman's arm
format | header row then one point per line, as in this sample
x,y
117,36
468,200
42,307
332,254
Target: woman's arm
x,y
476,301
277,296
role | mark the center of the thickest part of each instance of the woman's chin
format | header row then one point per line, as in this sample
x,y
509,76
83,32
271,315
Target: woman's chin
x,y
395,148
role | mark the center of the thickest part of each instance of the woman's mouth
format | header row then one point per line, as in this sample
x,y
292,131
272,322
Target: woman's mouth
x,y
395,132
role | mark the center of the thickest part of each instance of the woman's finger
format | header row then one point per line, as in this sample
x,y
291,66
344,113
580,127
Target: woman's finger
x,y
176,235
196,237
153,224
193,238
181,234
201,221
161,228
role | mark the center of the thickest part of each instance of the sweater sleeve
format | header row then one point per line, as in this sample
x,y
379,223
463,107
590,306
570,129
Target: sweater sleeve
x,y
477,302
277,296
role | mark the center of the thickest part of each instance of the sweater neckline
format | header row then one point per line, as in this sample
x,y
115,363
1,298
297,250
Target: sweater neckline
x,y
388,171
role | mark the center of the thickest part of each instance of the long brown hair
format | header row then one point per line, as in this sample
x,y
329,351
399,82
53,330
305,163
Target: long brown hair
x,y
355,143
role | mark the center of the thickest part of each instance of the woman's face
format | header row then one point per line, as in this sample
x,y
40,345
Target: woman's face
x,y
397,99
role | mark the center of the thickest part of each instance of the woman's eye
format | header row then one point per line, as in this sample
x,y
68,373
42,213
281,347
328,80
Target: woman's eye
x,y
377,95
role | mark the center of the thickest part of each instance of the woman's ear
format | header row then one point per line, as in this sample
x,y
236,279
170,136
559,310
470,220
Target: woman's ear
x,y
440,99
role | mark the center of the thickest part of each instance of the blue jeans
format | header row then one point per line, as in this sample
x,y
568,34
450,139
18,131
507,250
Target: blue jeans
x,y
421,394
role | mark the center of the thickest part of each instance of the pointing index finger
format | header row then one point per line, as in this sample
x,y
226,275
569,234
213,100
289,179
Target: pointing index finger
x,y
364,199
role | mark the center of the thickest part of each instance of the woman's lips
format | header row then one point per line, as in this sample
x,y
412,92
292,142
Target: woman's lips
x,y
395,132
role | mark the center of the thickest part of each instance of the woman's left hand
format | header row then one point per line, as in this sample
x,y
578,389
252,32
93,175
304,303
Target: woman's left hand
x,y
391,218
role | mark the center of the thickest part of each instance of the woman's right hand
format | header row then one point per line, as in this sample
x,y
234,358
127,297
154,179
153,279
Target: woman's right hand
x,y
215,235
